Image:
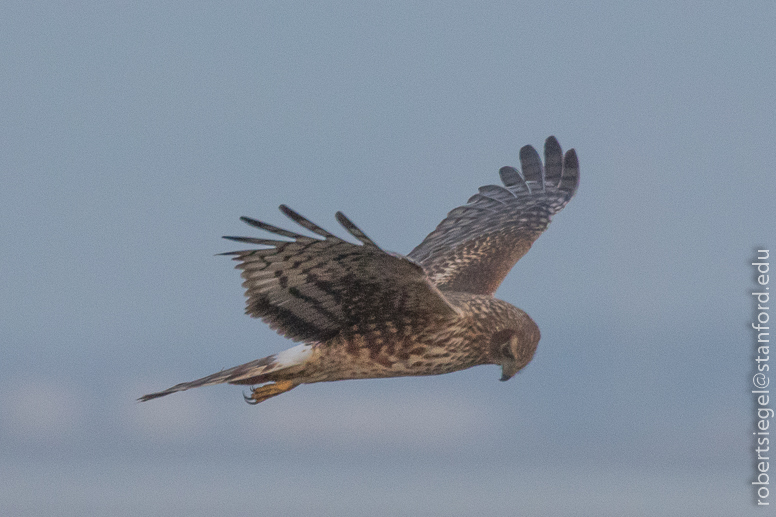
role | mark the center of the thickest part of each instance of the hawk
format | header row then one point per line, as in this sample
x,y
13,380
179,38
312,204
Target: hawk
x,y
361,312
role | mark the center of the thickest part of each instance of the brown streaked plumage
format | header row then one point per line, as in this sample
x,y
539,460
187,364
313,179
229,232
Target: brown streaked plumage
x,y
361,312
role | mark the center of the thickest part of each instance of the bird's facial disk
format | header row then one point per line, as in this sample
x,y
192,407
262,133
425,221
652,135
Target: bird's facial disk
x,y
509,363
513,350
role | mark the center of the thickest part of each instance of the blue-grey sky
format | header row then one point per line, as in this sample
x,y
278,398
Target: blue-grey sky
x,y
134,135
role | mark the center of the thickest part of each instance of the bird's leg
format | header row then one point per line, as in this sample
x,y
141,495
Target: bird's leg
x,y
270,390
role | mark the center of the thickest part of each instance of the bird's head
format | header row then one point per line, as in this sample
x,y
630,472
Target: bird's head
x,y
514,347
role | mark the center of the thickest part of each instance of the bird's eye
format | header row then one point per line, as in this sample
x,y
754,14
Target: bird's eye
x,y
506,351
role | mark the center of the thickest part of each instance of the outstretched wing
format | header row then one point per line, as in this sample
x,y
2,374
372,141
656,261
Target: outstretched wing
x,y
309,289
476,245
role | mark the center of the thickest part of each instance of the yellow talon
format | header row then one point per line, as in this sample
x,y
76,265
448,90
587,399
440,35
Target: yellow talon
x,y
270,390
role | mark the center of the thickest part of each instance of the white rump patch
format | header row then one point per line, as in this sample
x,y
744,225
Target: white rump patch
x,y
294,356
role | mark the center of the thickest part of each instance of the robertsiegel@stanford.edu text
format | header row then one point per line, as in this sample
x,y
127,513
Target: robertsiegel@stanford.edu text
x,y
761,379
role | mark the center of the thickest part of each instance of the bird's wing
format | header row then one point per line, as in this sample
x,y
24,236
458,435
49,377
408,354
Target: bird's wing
x,y
476,245
308,289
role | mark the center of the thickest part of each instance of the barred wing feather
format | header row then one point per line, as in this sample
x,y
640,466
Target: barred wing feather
x,y
309,289
476,245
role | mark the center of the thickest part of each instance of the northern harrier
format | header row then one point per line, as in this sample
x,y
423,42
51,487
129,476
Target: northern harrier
x,y
361,312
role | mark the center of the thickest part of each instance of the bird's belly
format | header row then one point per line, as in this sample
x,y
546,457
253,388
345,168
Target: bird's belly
x,y
360,358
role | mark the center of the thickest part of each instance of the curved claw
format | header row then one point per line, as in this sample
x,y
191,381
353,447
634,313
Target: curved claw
x,y
262,393
249,399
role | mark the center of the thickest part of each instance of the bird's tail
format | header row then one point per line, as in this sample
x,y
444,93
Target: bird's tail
x,y
255,372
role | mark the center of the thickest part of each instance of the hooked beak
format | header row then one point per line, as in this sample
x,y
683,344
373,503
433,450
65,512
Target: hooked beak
x,y
508,370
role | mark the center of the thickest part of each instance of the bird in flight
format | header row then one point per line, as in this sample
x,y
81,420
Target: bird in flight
x,y
361,312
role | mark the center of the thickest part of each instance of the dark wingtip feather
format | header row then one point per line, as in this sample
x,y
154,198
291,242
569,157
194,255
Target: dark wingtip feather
x,y
253,222
354,230
510,176
553,161
570,161
269,228
304,222
551,142
532,167
253,240
570,179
